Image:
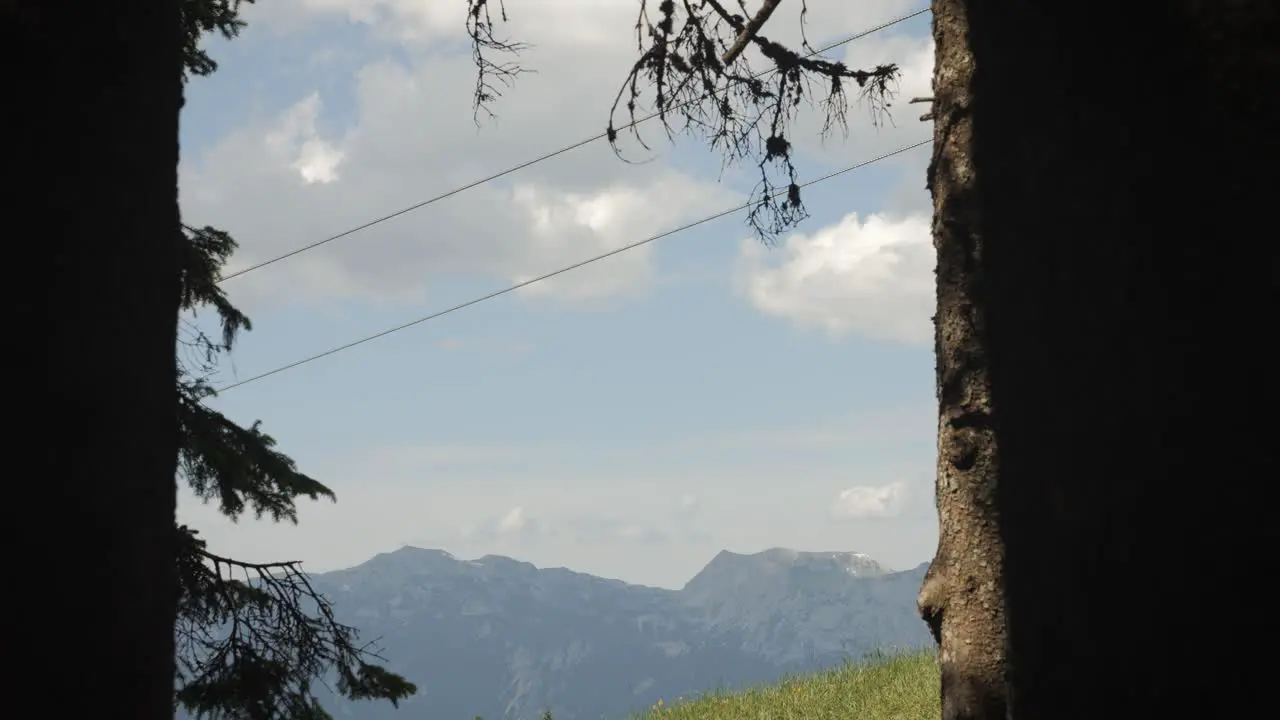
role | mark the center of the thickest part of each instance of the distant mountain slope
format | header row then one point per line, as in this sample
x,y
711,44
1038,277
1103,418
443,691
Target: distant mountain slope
x,y
500,638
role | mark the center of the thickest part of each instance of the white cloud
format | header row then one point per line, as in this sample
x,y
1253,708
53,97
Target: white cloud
x,y
544,23
865,501
873,277
541,22
562,224
513,529
298,177
303,175
296,137
514,521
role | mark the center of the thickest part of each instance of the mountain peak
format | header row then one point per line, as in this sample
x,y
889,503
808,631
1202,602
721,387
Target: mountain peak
x,y
421,551
410,558
418,553
729,570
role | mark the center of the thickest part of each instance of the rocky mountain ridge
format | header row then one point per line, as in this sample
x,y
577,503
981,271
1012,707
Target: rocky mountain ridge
x,y
503,639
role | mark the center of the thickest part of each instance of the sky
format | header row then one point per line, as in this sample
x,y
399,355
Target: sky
x,y
630,418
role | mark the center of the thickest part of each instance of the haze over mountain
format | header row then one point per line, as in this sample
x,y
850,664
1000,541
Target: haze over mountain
x,y
502,639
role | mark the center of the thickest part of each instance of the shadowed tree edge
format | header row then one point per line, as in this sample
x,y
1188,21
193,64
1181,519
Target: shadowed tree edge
x,y
1095,185
91,184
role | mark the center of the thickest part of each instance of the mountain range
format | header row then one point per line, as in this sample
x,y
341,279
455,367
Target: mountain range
x,y
504,640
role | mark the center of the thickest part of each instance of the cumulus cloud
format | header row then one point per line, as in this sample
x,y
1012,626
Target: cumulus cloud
x,y
594,223
872,277
312,167
577,22
296,138
514,521
423,21
315,167
867,501
515,526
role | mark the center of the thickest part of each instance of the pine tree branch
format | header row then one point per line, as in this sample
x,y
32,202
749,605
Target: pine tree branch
x,y
254,637
245,565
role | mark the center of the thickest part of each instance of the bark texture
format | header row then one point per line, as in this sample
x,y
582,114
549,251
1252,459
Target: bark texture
x,y
1104,183
93,94
961,598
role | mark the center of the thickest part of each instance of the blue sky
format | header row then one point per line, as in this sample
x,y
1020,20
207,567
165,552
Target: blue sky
x,y
630,418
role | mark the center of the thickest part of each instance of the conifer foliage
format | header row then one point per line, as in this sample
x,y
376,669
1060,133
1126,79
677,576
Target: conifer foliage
x,y
252,638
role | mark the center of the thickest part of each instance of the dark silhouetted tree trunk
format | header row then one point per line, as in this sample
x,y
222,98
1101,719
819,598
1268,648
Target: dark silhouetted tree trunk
x,y
1104,184
92,95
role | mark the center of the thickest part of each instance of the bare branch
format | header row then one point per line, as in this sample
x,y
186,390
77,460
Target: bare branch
x,y
739,112
748,33
491,77
927,116
692,72
253,637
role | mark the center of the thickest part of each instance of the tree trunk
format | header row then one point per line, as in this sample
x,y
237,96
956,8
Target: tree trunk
x,y
93,91
1103,183
960,598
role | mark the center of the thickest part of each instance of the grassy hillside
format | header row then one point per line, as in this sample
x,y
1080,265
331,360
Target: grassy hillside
x,y
899,687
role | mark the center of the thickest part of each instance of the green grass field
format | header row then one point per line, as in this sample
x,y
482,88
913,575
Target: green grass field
x,y
897,687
